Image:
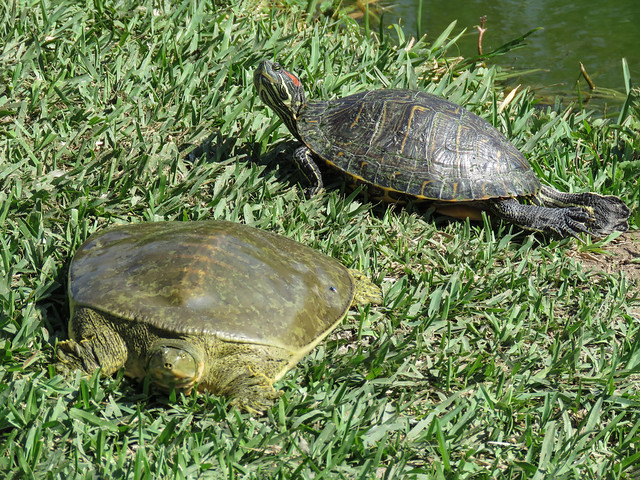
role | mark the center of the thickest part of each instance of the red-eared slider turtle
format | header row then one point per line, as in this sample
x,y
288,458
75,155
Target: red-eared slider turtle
x,y
220,304
418,144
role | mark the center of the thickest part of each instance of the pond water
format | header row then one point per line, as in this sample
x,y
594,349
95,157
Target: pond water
x,y
598,33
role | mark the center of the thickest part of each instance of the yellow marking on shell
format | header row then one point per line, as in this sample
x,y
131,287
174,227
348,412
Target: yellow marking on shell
x,y
425,184
353,176
413,109
355,120
387,197
432,144
329,162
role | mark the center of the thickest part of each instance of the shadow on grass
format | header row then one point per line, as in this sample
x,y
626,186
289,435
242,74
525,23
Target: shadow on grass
x,y
279,164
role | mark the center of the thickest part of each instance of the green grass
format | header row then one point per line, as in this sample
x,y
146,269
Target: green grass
x,y
496,354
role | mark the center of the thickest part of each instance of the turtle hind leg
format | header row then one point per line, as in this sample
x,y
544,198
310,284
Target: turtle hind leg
x,y
609,213
365,290
564,222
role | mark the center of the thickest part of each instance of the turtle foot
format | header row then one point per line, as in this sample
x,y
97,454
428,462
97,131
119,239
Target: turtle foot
x,y
256,399
563,221
366,291
76,356
610,215
568,222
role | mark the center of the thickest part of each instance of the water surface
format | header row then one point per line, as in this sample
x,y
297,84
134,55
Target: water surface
x,y
598,33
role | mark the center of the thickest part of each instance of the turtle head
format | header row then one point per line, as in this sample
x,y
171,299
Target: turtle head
x,y
282,91
174,363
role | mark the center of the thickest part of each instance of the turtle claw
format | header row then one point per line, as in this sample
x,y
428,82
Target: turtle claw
x,y
72,356
569,222
600,214
607,215
560,221
575,222
257,400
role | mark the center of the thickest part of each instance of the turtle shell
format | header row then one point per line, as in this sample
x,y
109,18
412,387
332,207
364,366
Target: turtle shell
x,y
418,144
217,278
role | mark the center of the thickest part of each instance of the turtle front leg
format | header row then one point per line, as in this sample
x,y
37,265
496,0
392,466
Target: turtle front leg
x,y
246,374
254,393
309,169
93,345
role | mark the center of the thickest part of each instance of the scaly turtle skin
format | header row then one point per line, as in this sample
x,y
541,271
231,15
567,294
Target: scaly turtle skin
x,y
413,143
220,304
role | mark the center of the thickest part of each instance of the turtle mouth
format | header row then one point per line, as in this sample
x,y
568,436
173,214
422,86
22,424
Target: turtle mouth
x,y
261,73
171,379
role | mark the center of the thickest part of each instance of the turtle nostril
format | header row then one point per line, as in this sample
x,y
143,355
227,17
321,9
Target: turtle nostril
x,y
168,366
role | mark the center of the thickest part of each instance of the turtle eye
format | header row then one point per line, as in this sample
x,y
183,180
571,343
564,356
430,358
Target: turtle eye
x,y
276,67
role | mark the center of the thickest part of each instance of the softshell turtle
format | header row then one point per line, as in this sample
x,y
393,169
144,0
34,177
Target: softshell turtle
x,y
222,305
411,143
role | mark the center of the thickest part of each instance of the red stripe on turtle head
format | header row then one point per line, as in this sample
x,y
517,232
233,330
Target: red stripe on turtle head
x,y
295,80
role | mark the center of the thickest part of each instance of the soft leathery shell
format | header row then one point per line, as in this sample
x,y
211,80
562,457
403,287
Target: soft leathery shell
x,y
212,277
416,143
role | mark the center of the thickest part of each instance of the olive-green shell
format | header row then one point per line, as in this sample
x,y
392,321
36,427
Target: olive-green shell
x,y
416,143
213,278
